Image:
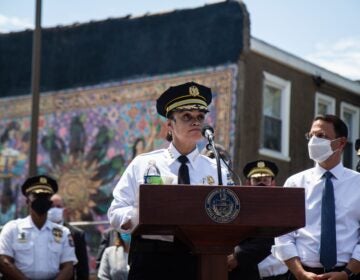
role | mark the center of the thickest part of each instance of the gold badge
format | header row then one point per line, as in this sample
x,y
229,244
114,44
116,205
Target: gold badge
x,y
261,164
194,91
43,180
57,233
210,180
21,237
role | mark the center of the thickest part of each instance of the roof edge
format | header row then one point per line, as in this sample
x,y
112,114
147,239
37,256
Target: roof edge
x,y
270,51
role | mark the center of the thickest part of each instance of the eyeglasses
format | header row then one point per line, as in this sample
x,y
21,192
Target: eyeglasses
x,y
308,135
188,118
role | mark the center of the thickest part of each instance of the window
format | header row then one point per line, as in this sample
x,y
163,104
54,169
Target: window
x,y
324,104
275,117
350,115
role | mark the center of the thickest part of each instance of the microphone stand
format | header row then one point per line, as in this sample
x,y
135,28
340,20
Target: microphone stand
x,y
211,145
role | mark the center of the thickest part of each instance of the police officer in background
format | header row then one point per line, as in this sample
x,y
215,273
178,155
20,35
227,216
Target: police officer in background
x,y
33,247
252,259
165,257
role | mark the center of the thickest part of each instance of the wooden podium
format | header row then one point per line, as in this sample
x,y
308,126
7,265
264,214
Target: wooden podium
x,y
183,211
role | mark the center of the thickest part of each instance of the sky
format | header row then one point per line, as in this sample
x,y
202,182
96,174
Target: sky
x,y
324,32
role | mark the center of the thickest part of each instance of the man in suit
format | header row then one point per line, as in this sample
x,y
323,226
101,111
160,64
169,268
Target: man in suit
x,y
57,214
252,259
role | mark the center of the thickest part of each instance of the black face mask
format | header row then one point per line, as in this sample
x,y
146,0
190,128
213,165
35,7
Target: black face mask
x,y
261,185
41,205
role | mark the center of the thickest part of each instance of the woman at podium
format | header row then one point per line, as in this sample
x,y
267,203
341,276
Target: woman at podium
x,y
164,257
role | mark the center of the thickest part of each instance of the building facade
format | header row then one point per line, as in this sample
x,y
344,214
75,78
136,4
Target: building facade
x,y
100,80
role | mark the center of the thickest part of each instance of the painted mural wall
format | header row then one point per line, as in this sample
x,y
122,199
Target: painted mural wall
x,y
87,136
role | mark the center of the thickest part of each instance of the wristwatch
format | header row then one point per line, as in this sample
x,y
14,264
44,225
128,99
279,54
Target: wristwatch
x,y
349,273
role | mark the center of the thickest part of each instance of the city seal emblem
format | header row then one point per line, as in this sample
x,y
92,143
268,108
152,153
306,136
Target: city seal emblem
x,y
222,205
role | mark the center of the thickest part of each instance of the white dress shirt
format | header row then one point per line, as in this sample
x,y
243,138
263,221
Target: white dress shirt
x,y
38,253
271,266
305,242
202,171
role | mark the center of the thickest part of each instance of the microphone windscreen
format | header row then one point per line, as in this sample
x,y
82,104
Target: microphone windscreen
x,y
206,127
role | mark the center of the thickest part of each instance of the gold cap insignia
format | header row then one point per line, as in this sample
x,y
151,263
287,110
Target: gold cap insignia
x,y
43,180
194,91
261,164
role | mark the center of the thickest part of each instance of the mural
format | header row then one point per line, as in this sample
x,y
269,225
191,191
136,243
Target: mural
x,y
87,136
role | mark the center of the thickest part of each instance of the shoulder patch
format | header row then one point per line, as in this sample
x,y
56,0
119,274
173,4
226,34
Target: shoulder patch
x,y
71,240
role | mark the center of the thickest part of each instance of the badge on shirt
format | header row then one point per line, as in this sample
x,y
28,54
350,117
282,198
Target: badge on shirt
x,y
57,233
209,179
22,237
71,240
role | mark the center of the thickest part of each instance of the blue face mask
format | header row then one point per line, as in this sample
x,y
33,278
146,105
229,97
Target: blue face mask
x,y
126,237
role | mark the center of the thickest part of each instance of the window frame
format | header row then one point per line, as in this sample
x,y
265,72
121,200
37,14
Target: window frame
x,y
355,111
322,98
285,88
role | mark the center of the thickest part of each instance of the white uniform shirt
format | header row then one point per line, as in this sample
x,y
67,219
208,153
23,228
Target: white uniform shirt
x,y
305,242
37,253
271,266
202,171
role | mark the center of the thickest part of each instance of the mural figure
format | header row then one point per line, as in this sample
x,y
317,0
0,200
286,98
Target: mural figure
x,y
81,173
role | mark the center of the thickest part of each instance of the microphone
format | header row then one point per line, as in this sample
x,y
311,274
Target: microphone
x,y
357,146
208,132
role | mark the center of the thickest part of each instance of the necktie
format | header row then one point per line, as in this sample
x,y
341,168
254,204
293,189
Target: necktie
x,y
183,175
328,227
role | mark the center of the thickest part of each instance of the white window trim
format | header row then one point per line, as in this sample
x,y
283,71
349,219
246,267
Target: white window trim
x,y
355,111
322,98
285,87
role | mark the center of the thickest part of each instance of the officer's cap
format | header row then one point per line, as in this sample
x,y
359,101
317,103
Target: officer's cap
x,y
260,168
188,96
39,184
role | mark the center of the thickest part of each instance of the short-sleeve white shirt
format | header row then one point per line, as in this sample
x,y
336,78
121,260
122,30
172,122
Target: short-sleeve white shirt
x,y
38,253
202,171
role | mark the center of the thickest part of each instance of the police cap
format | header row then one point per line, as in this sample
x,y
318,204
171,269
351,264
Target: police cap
x,y
39,184
260,168
188,96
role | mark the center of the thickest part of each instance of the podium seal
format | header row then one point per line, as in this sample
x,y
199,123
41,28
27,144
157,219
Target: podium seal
x,y
222,205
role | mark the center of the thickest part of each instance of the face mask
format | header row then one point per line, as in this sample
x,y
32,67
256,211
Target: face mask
x,y
41,205
126,237
56,215
319,149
